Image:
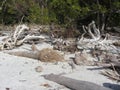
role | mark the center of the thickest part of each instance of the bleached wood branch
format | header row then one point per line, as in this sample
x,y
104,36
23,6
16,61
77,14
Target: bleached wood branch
x,y
18,31
96,35
28,37
96,39
18,37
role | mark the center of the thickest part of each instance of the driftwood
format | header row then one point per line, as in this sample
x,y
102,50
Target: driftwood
x,y
45,55
113,73
112,64
74,84
115,63
113,68
67,45
96,39
20,35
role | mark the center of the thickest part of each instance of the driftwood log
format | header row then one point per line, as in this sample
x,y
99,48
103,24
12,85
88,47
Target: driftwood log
x,y
74,84
45,55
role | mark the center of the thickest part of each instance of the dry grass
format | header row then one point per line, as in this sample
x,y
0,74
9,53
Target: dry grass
x,y
49,55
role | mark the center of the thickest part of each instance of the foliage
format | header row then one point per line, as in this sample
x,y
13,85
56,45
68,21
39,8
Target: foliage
x,y
64,12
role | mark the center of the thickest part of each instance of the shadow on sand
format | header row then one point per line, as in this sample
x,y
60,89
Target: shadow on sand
x,y
112,86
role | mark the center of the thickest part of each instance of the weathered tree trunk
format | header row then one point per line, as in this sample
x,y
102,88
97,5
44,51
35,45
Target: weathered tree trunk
x,y
74,84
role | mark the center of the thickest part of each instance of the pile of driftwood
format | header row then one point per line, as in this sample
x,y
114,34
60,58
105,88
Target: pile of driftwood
x,y
21,34
104,50
113,73
96,39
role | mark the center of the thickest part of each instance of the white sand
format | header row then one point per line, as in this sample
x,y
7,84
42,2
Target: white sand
x,y
18,73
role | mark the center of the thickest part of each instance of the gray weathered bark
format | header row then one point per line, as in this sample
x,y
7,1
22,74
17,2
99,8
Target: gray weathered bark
x,y
74,84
